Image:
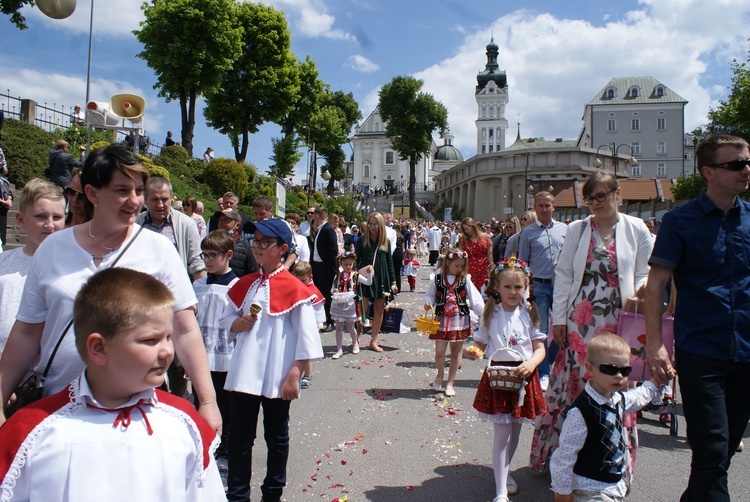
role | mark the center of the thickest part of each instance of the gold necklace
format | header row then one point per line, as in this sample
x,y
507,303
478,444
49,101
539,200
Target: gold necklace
x,y
100,244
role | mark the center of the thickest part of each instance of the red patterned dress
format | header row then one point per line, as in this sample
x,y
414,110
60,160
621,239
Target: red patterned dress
x,y
477,263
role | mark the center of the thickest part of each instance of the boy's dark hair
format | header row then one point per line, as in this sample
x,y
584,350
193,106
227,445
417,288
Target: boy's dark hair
x,y
705,152
219,241
116,299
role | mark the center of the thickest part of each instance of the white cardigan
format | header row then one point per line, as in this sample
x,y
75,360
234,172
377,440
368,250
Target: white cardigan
x,y
633,244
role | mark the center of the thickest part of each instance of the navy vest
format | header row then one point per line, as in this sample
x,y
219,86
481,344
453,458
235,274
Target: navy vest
x,y
441,291
603,454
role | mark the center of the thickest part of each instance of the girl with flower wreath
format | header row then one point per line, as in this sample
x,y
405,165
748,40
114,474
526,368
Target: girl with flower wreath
x,y
604,261
452,294
510,321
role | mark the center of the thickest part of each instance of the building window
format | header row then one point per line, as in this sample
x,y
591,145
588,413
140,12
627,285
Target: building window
x,y
659,92
636,170
492,133
636,148
661,148
611,125
635,125
661,124
490,148
389,157
366,171
484,149
661,170
610,93
633,92
377,126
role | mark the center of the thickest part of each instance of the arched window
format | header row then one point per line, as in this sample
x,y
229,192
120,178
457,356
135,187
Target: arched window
x,y
633,92
366,171
610,93
659,92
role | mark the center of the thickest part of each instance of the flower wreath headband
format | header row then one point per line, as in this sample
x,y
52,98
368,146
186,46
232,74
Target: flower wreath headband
x,y
513,262
457,254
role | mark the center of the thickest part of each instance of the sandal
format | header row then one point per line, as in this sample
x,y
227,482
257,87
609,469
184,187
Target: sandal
x,y
337,355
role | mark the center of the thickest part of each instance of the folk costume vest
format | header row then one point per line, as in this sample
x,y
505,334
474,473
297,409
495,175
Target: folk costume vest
x,y
441,293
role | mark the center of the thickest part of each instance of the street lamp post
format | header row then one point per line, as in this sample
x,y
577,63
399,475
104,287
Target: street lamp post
x,y
631,162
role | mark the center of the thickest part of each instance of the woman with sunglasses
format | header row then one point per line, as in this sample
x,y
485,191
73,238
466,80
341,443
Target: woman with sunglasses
x,y
511,247
113,180
603,262
478,246
76,200
373,252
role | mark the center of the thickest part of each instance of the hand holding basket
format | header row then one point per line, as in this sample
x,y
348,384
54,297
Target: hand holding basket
x,y
504,377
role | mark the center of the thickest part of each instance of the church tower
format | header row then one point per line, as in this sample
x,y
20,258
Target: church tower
x,y
492,96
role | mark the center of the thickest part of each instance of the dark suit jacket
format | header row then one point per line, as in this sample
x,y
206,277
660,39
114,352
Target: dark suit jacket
x,y
61,164
327,246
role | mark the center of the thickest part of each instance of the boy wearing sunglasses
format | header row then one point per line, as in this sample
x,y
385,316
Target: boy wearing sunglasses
x,y
593,451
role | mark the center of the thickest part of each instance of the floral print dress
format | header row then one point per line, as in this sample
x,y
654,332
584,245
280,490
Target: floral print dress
x,y
595,310
478,266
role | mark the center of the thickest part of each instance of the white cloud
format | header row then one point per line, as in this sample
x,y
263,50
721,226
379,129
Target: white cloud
x,y
555,66
360,63
310,18
112,18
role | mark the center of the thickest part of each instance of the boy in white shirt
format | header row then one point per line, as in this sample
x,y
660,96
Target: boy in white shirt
x,y
145,444
42,212
590,460
273,347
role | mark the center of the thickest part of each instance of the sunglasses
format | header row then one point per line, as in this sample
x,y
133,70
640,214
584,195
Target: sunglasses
x,y
600,197
72,192
310,213
732,165
612,370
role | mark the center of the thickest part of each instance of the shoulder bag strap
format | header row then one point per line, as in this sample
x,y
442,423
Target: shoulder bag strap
x,y
40,383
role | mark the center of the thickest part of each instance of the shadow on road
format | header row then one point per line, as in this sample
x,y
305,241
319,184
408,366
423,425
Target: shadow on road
x,y
463,482
392,394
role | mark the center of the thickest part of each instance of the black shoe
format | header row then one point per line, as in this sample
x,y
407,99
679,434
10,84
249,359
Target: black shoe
x,y
329,328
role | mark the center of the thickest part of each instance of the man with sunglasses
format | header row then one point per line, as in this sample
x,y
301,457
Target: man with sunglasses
x,y
705,245
306,226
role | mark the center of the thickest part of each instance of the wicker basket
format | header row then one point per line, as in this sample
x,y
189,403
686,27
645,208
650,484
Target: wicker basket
x,y
504,377
428,325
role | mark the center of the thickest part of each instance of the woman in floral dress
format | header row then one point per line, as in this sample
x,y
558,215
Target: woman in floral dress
x,y
479,247
603,262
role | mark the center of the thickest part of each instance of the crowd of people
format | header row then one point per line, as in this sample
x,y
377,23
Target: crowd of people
x,y
228,314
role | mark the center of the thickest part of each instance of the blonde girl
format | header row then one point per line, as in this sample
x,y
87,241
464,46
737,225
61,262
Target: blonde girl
x,y
452,294
373,252
509,321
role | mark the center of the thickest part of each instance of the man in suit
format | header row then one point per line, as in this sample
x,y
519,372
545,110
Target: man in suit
x,y
323,259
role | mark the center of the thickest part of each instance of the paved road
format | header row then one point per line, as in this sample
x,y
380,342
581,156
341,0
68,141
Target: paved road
x,y
371,428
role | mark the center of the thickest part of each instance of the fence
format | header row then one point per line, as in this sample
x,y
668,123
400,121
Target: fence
x,y
54,118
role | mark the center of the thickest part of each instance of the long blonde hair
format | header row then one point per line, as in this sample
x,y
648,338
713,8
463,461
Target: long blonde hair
x,y
382,238
493,292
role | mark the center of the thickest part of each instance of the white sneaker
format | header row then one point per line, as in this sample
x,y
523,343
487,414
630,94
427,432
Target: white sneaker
x,y
544,383
500,498
740,447
511,485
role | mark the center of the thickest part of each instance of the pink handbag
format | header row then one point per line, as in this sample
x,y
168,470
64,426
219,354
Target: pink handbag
x,y
632,328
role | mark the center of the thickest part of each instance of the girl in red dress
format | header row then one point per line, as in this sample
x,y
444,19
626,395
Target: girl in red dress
x,y
452,296
509,322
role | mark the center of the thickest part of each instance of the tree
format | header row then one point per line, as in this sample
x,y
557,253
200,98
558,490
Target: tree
x,y
189,44
263,82
733,115
11,7
286,154
411,117
332,124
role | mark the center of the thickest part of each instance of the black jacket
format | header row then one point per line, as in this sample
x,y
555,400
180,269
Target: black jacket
x,y
61,165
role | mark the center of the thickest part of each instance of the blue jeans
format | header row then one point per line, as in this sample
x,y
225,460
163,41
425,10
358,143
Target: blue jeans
x,y
717,410
543,293
244,409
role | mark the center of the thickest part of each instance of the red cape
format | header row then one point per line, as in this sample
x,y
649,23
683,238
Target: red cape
x,y
284,291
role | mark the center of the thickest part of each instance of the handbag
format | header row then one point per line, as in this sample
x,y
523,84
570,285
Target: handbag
x,y
631,327
392,320
32,389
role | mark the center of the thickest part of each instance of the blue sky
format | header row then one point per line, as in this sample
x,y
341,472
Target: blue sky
x,y
557,54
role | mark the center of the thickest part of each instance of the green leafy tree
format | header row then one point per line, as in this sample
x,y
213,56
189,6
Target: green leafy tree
x,y
411,117
733,115
263,82
336,118
11,8
286,154
189,44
